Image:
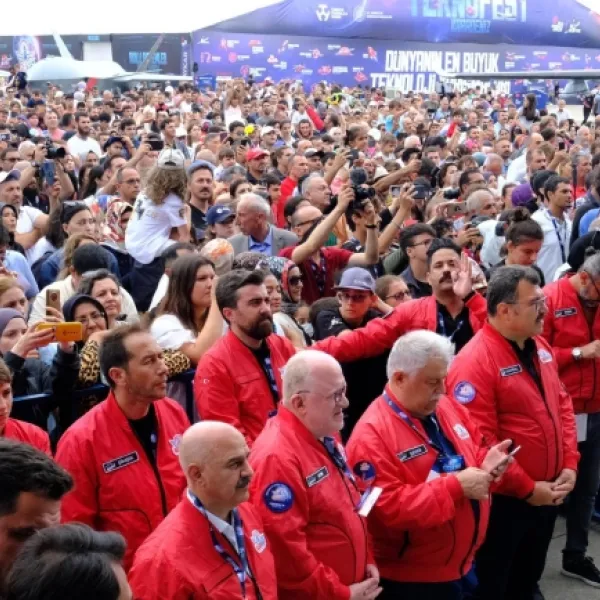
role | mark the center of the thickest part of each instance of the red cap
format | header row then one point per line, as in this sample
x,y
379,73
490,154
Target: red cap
x,y
255,153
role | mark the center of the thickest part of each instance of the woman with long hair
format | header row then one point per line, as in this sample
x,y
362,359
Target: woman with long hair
x,y
194,137
10,215
188,317
528,113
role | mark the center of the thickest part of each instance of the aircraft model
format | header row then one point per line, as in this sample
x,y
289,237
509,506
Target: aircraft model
x,y
65,67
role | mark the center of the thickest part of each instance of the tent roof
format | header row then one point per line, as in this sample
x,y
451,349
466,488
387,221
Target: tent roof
x,y
120,17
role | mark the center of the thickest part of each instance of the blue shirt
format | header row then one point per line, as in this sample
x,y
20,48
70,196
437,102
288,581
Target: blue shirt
x,y
586,220
15,261
264,247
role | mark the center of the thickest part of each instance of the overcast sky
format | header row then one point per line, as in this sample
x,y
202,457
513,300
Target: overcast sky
x,y
118,16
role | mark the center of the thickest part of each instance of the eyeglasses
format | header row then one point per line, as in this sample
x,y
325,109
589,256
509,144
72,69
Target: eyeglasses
x,y
95,316
425,243
338,396
295,280
398,296
310,222
538,303
356,298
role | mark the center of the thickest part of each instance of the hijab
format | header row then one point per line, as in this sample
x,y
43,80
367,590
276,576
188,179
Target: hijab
x,y
113,234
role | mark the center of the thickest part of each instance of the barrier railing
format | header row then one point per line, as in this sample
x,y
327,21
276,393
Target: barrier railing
x,y
33,408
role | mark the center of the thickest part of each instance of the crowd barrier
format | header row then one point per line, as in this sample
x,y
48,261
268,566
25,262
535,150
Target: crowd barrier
x,y
30,408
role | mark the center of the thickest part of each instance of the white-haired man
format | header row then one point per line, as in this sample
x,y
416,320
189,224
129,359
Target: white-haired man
x,y
419,448
212,545
306,493
257,234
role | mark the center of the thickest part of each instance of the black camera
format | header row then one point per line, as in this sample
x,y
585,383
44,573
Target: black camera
x,y
358,177
452,194
53,153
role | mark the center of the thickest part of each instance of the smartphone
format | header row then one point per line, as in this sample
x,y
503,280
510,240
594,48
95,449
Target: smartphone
x,y
65,332
506,458
421,192
395,191
562,145
53,299
48,170
353,155
156,145
457,209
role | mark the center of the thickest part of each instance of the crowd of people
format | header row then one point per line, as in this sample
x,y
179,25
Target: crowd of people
x,y
391,305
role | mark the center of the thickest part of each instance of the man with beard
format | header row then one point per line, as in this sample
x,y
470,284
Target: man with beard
x,y
454,310
507,377
81,143
572,328
238,380
306,493
257,161
201,185
212,545
123,453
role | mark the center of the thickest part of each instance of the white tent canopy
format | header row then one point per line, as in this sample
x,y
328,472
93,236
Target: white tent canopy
x,y
116,16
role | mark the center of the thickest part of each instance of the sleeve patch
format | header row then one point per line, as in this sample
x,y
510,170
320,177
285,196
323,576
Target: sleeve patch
x,y
365,471
278,497
464,392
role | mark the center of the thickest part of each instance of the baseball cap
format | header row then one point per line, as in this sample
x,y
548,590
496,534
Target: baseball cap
x,y
170,159
218,213
7,176
255,153
180,131
375,134
356,278
266,130
314,152
200,164
113,139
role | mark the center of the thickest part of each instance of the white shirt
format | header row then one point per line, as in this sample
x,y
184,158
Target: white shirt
x,y
39,249
233,114
26,224
80,147
170,333
150,226
517,169
557,235
563,115
161,291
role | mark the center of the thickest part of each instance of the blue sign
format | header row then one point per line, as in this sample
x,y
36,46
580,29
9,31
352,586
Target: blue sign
x,y
403,66
559,23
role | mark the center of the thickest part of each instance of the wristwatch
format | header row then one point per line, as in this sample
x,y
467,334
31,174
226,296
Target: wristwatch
x,y
576,352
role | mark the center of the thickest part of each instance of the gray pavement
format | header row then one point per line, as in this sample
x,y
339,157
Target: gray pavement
x,y
558,587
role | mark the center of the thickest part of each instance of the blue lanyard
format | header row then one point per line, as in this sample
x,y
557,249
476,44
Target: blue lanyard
x,y
438,445
241,572
337,457
560,242
442,327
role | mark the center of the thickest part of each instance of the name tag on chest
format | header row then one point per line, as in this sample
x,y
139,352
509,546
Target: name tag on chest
x,y
512,370
412,453
317,476
565,312
120,462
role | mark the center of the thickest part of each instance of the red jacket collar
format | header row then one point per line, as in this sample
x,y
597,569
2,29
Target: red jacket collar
x,y
116,415
299,429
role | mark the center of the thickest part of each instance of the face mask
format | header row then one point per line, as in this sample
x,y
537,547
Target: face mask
x,y
308,329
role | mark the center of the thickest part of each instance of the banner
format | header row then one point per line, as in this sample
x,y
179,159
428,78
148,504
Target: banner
x,y
573,23
404,66
130,51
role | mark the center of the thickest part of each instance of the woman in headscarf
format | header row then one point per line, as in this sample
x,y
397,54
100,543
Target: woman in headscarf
x,y
19,347
113,234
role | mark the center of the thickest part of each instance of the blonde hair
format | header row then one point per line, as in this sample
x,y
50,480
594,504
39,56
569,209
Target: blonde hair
x,y
162,182
73,242
8,283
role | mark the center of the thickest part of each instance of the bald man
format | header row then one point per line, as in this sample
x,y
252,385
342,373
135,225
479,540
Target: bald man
x,y
212,545
305,492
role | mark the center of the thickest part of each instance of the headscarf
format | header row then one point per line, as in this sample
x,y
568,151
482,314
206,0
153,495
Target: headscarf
x,y
73,302
221,252
113,234
6,316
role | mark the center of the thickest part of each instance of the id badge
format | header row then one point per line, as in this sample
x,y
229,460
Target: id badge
x,y
367,500
451,464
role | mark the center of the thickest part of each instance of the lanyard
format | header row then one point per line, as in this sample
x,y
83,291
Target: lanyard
x,y
557,231
241,572
442,327
337,457
437,445
320,273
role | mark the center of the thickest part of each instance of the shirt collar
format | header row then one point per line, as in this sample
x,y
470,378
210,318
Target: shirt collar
x,y
268,241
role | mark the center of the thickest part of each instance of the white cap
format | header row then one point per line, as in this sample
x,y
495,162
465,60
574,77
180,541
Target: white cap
x,y
170,159
59,94
375,134
79,96
181,131
169,89
266,130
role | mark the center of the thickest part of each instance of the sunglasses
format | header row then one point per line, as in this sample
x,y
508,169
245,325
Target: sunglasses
x,y
295,280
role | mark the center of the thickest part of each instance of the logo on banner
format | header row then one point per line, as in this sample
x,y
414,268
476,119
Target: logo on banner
x,y
323,13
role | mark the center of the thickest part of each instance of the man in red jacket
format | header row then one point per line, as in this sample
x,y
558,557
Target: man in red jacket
x,y
305,492
13,428
420,448
508,379
572,328
123,454
212,546
454,310
238,381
